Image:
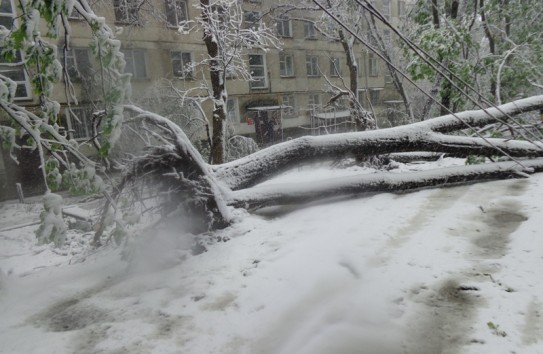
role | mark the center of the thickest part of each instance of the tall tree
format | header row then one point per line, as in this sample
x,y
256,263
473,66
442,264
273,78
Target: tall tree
x,y
348,12
506,63
229,33
514,34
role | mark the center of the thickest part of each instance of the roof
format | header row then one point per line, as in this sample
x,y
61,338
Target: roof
x,y
268,108
332,115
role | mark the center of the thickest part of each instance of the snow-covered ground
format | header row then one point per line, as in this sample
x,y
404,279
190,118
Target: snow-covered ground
x,y
451,270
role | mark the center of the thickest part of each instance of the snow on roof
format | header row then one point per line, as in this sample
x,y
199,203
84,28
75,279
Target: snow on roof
x,y
268,108
332,115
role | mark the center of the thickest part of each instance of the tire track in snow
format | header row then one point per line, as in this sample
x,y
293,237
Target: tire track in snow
x,y
438,202
533,327
444,320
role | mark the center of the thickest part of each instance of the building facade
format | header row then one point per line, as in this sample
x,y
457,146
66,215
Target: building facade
x,y
290,87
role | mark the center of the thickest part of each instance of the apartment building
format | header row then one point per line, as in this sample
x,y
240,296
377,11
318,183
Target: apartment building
x,y
290,86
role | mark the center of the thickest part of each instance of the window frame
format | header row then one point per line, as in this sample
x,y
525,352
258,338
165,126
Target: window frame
x,y
263,78
312,65
132,61
375,96
74,15
388,77
309,30
311,102
177,8
235,111
16,67
387,37
126,8
361,66
256,24
285,24
335,67
85,122
186,73
291,102
373,66
386,9
73,62
401,8
284,62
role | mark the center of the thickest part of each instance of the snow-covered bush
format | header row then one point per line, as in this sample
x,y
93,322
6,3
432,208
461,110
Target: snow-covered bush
x,y
52,228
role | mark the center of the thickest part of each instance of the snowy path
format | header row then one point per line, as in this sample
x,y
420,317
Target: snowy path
x,y
453,270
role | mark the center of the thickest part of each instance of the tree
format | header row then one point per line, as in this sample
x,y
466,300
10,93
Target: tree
x,y
514,47
347,12
42,129
235,183
478,53
228,34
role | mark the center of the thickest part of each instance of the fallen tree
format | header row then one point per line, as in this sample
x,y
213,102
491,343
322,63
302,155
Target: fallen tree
x,y
182,173
428,135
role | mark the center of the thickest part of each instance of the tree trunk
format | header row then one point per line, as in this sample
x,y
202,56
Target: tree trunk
x,y
422,136
219,93
298,193
396,79
492,47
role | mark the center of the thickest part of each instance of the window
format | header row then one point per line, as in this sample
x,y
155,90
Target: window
x,y
388,77
251,20
374,96
232,110
126,11
387,38
314,100
284,28
371,39
289,111
286,65
135,63
231,72
362,97
257,68
182,65
75,15
386,9
80,122
342,103
6,14
401,8
13,69
176,12
309,30
361,66
78,64
312,65
335,69
373,66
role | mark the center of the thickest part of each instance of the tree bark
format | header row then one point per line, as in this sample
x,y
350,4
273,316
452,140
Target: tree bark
x,y
299,193
491,45
396,79
422,136
219,93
